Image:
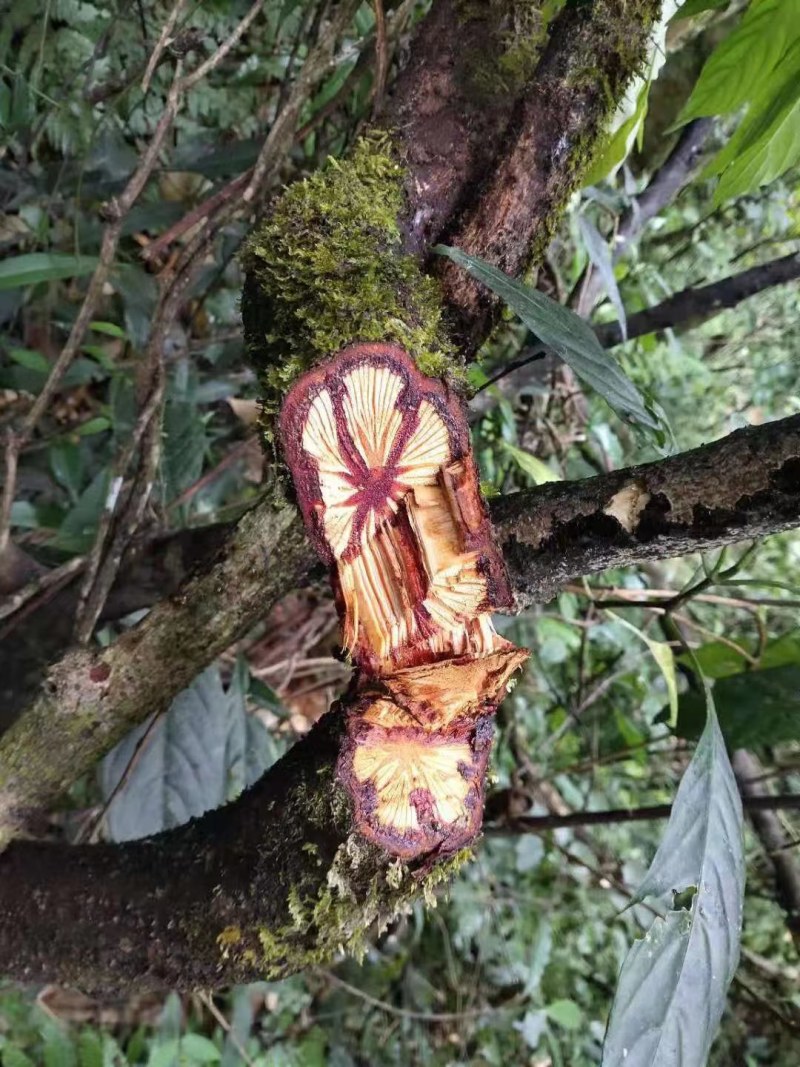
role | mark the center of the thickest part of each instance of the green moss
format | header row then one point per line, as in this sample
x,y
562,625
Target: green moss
x,y
326,269
620,31
518,31
363,893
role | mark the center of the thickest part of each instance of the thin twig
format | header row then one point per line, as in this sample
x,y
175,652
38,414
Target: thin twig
x,y
89,603
535,824
57,576
164,39
407,1013
281,134
117,209
208,1003
90,832
236,453
230,42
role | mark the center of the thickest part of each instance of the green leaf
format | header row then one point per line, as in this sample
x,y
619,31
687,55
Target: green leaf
x,y
766,145
15,1057
66,464
612,152
566,1013
93,426
535,468
90,1049
673,984
716,659
110,329
665,659
30,359
34,267
194,1048
58,1051
740,67
76,532
755,708
203,752
562,330
697,7
600,257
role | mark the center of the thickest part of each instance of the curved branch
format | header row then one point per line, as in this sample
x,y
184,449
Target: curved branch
x,y
698,303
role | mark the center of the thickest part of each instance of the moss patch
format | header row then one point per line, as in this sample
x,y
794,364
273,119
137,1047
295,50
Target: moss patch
x,y
326,269
362,894
519,29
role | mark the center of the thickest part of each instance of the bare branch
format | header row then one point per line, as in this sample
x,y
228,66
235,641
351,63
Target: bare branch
x,y
695,305
746,485
538,824
687,309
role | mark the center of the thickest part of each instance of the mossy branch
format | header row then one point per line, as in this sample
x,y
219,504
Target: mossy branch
x,y
277,880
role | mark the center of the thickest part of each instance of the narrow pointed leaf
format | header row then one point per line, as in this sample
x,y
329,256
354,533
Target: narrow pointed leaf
x,y
562,330
535,468
34,267
600,256
665,659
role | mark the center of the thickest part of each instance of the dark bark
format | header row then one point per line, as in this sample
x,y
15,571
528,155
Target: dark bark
x,y
186,908
744,486
588,59
450,123
503,823
692,306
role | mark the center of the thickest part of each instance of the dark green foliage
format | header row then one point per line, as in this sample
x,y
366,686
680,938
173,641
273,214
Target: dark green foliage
x,y
756,708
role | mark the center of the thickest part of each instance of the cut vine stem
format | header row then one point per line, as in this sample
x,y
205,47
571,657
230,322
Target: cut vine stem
x,y
381,460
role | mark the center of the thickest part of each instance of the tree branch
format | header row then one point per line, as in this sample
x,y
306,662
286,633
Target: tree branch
x,y
759,803
663,187
695,305
686,309
538,824
746,485
281,879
